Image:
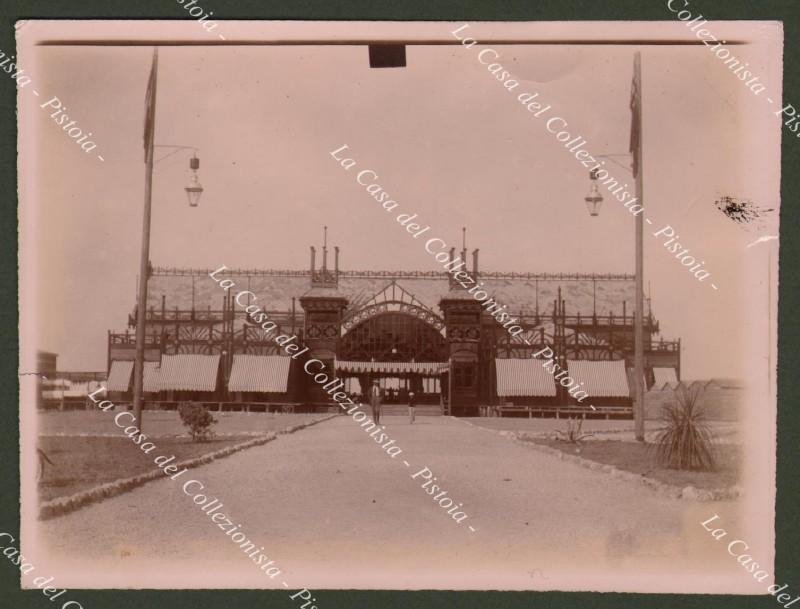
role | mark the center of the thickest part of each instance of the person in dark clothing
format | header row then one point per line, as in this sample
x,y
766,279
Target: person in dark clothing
x,y
375,402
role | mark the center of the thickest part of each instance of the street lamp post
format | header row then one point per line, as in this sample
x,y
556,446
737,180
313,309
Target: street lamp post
x,y
593,201
193,191
636,151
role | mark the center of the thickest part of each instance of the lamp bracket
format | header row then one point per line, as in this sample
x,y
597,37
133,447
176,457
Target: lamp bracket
x,y
175,149
611,158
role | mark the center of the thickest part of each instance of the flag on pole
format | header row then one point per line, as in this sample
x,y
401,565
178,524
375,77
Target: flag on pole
x,y
150,108
636,112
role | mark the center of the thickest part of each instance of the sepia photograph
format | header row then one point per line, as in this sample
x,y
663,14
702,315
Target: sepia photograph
x,y
372,305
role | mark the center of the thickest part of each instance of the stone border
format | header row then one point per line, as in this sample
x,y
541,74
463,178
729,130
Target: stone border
x,y
169,436
64,505
166,436
669,490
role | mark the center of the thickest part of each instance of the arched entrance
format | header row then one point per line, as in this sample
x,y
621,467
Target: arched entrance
x,y
401,349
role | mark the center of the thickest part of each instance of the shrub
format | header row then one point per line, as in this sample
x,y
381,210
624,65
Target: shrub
x,y
572,434
198,419
686,442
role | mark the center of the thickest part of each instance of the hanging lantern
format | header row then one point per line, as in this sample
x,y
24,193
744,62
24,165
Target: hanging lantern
x,y
194,189
594,199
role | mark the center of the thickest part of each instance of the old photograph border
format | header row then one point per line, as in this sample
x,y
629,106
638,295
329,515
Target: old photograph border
x,y
787,566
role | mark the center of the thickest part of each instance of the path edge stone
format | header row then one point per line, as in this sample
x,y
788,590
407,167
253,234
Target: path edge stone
x,y
64,505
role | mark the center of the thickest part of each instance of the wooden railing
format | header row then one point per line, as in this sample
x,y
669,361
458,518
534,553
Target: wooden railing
x,y
409,274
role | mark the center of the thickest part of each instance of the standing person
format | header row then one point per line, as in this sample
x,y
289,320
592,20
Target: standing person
x,y
375,402
411,405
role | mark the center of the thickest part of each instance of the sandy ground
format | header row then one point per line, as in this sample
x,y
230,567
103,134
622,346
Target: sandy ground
x,y
335,511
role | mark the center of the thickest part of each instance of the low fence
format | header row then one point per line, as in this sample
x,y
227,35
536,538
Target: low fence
x,y
719,401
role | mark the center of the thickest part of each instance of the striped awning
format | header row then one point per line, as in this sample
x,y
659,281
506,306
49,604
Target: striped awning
x,y
601,379
151,378
188,372
119,377
263,373
523,377
425,368
665,376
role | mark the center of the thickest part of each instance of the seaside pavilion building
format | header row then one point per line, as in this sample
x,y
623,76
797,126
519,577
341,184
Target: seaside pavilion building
x,y
410,330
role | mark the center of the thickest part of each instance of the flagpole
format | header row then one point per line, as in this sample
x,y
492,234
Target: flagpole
x,y
638,411
144,263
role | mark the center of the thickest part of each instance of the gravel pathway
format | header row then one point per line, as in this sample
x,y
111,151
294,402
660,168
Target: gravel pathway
x,y
333,510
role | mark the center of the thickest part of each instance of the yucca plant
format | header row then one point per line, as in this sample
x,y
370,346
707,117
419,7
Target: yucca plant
x,y
572,434
686,442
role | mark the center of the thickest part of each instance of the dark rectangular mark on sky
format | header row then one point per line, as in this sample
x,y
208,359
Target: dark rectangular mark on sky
x,y
387,56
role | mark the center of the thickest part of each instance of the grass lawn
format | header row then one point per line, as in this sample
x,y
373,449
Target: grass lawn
x,y
639,458
159,423
82,463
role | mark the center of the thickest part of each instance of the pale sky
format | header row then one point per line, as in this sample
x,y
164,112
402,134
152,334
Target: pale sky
x,y
447,141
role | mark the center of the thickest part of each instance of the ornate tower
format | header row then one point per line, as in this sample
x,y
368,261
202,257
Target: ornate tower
x,y
462,316
324,307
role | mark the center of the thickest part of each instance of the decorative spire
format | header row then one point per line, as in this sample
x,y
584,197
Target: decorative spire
x,y
323,277
324,249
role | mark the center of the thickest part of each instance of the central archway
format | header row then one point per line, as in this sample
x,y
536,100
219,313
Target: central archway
x,y
397,349
393,337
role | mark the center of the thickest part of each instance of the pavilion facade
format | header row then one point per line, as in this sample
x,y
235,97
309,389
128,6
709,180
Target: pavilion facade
x,y
409,330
